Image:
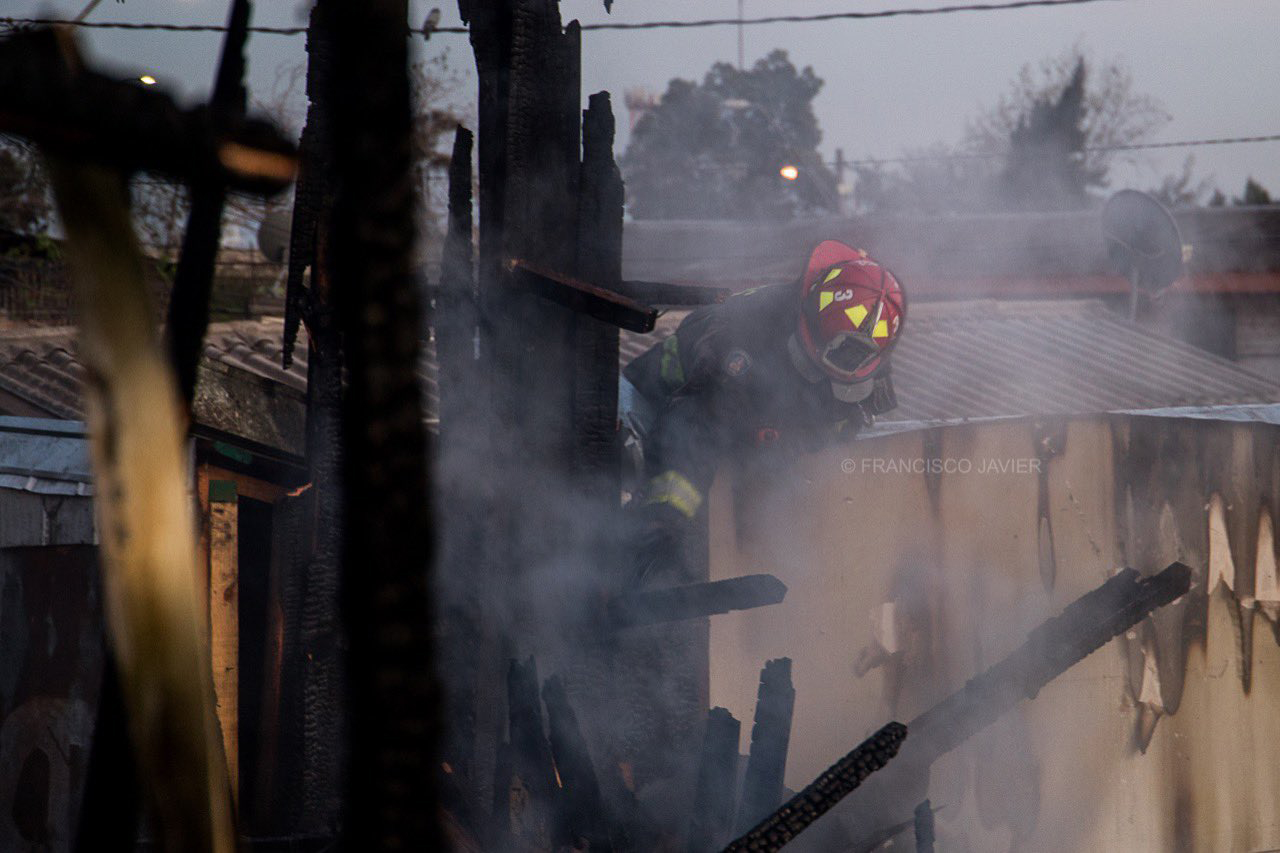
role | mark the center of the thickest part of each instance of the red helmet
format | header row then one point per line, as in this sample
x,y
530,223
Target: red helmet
x,y
851,315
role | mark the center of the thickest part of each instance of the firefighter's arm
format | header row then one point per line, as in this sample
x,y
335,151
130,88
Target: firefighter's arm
x,y
681,457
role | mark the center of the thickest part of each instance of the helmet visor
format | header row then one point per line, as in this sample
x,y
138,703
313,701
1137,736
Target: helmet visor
x,y
849,352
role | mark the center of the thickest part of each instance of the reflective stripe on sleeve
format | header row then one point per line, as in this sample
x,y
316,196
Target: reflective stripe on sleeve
x,y
672,370
674,489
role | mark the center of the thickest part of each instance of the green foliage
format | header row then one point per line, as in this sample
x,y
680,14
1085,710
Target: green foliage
x,y
713,150
26,206
1045,167
1045,144
1254,193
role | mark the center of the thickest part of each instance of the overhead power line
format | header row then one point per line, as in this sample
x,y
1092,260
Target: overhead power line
x,y
1138,146
607,25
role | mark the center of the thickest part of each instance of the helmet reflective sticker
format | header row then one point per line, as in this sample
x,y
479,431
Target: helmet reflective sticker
x,y
849,344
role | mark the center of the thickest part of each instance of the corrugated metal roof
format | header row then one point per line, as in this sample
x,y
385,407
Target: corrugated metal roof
x,y
961,361
45,456
957,361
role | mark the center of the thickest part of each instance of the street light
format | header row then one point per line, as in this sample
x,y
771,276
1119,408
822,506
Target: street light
x,y
789,172
147,80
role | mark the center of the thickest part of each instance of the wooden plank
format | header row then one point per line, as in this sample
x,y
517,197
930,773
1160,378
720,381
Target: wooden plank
x,y
224,618
202,554
137,438
248,486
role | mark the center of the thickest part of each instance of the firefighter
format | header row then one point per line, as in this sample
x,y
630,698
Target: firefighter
x,y
777,370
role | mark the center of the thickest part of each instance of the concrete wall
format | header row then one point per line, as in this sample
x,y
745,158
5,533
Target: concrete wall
x,y
922,580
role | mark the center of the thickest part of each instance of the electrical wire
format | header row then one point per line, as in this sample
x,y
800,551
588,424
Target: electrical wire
x,y
607,25
1137,146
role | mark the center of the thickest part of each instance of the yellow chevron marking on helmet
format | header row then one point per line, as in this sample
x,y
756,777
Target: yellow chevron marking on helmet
x,y
825,298
835,272
881,330
857,314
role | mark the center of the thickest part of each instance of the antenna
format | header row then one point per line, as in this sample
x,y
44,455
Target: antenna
x,y
1143,242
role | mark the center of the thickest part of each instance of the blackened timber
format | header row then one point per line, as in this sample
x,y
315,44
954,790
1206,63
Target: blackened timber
x,y
320,683
389,547
663,294
604,305
454,320
188,318
835,783
582,808
690,601
1060,643
455,315
770,738
489,25
716,789
595,400
1082,628
312,195
532,767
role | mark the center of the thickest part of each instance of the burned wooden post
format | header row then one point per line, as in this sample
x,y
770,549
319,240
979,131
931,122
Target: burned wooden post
x,y
389,537
715,794
193,282
316,711
460,453
533,782
582,813
836,782
770,737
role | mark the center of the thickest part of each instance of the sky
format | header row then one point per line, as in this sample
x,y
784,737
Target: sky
x,y
891,84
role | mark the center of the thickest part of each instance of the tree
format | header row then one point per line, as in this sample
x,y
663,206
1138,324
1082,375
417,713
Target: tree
x,y
1111,113
1045,143
1254,193
1182,190
714,150
26,206
1045,164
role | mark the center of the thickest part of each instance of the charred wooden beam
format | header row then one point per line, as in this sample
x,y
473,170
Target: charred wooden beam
x,y
389,532
49,96
582,816
770,737
1082,628
193,282
604,305
838,781
533,770
663,294
716,791
595,395
693,600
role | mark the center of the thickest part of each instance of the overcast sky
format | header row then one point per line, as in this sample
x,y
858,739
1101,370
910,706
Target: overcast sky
x,y
891,84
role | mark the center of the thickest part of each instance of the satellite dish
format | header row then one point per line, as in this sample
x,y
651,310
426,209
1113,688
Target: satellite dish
x,y
273,235
1143,242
